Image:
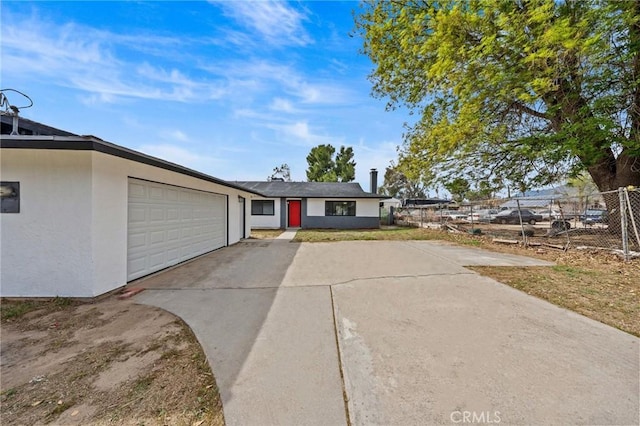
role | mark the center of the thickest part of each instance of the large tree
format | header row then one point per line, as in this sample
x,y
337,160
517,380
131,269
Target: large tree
x,y
527,92
283,173
458,188
397,185
323,167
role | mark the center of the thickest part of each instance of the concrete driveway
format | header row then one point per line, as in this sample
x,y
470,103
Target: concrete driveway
x,y
393,333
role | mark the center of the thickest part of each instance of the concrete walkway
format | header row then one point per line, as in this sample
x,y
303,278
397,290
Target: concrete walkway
x,y
393,333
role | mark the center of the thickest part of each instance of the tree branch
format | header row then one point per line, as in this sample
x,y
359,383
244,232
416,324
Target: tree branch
x,y
519,106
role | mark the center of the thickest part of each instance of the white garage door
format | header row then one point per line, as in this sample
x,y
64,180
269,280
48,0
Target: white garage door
x,y
168,225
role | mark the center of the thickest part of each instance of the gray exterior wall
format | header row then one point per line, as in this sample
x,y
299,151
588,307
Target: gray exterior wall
x,y
338,222
283,213
342,222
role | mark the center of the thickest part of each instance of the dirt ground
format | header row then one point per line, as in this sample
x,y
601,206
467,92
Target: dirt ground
x,y
107,362
115,362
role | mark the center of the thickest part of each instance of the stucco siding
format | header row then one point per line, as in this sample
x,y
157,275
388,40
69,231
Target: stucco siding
x,y
46,249
267,221
70,237
368,208
364,207
367,214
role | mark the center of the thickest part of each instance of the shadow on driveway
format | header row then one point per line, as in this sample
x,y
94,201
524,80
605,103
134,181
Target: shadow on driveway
x,y
272,349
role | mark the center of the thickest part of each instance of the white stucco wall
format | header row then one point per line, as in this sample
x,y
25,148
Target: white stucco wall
x,y
368,207
365,207
70,237
266,221
46,249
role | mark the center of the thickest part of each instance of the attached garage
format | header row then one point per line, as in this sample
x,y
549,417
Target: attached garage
x,y
168,225
93,216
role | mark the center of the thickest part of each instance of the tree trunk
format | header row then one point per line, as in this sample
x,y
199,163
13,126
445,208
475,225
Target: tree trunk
x,y
612,173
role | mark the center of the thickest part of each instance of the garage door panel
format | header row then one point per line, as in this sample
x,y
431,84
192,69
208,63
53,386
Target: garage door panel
x,y
156,214
172,195
156,193
173,235
136,190
137,240
137,213
157,237
173,213
157,260
168,225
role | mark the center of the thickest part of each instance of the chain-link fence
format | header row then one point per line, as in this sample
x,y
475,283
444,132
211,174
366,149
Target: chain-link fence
x,y
602,221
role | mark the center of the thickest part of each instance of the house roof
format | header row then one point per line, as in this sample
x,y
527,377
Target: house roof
x,y
92,143
278,189
30,127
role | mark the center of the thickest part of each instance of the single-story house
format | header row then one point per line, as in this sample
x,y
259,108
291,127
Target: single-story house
x,y
313,205
81,216
391,202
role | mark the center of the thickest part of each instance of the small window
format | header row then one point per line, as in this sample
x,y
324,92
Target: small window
x,y
10,197
262,207
339,208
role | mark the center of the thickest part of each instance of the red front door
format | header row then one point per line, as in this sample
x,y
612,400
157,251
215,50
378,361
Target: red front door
x,y
294,213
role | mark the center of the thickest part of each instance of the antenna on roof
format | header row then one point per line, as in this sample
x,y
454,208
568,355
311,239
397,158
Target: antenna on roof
x,y
6,108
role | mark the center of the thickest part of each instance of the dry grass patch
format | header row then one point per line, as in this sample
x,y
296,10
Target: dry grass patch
x,y
389,233
600,286
265,234
106,362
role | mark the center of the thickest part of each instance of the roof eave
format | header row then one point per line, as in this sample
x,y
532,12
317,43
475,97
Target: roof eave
x,y
91,143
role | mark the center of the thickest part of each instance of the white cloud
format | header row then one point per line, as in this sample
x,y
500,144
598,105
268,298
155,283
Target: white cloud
x,y
373,156
179,155
256,77
299,133
282,105
80,57
177,135
275,21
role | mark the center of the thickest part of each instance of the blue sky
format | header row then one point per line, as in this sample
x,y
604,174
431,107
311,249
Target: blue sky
x,y
230,88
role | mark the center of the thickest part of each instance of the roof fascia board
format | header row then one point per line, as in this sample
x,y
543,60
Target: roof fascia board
x,y
75,143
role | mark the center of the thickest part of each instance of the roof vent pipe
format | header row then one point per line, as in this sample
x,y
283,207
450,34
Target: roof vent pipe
x,y
15,127
374,181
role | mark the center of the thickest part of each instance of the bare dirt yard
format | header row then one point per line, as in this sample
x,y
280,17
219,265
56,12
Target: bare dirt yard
x,y
107,362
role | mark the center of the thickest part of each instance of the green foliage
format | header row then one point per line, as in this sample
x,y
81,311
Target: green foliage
x,y
398,185
324,168
345,165
281,173
321,164
526,92
458,187
13,310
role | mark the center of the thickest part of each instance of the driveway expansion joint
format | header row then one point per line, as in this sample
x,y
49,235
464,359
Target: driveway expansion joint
x,y
387,277
345,397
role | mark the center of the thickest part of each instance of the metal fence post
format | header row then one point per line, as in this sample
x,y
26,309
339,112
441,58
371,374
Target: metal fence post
x,y
524,235
632,216
623,222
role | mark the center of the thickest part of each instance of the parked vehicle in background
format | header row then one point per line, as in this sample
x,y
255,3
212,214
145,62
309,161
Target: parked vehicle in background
x,y
549,214
591,216
482,215
453,214
513,216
